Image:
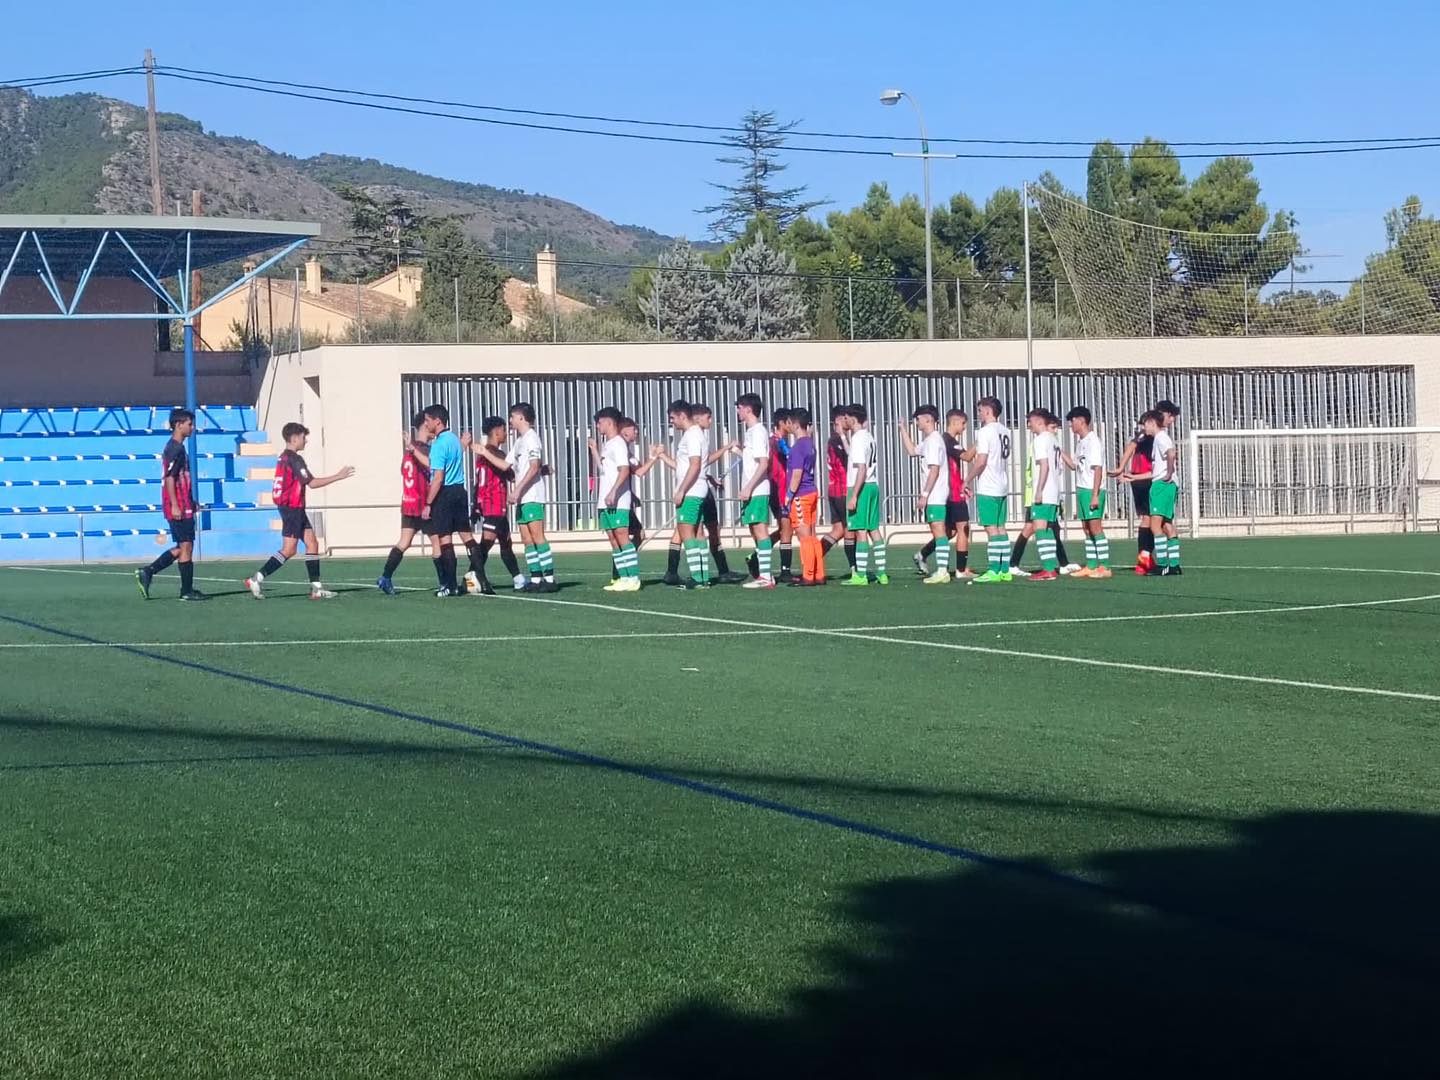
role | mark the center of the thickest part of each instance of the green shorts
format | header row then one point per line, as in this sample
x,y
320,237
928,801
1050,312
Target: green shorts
x,y
866,514
525,513
1045,512
935,514
1082,507
1162,499
990,510
614,519
756,511
688,512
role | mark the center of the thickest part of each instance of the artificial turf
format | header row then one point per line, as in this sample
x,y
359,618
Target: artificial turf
x,y
674,840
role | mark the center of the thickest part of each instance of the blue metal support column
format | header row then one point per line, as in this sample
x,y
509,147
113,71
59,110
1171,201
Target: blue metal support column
x,y
190,402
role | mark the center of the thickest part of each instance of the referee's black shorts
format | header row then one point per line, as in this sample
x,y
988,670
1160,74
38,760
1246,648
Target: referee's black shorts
x,y
1140,492
450,512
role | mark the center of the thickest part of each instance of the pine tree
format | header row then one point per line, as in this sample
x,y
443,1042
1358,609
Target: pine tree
x,y
686,294
753,194
761,298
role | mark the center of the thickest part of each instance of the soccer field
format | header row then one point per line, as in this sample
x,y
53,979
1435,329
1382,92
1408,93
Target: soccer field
x,y
1157,827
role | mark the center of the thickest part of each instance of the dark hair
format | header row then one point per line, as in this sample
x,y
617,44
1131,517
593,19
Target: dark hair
x,y
1043,414
491,423
700,410
679,405
1151,414
993,404
1167,406
857,412
1079,412
751,402
950,414
926,410
779,416
836,411
525,409
625,422
290,430
438,412
609,412
800,416
418,420
179,416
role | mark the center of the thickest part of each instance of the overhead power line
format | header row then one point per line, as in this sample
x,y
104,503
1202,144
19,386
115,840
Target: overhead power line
x,y
71,77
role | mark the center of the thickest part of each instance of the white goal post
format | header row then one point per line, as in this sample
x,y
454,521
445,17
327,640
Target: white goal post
x,y
1249,481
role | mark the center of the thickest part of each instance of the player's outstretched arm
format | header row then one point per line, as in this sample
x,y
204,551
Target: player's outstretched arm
x,y
1119,469
334,478
910,447
977,466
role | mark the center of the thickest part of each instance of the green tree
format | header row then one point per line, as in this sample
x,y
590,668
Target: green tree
x,y
1399,292
880,313
451,257
754,192
683,297
760,298
384,230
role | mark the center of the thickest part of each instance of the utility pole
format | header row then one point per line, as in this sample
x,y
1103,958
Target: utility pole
x,y
157,199
197,208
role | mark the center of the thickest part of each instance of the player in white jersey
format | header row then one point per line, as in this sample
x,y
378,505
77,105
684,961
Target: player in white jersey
x,y
1088,463
990,480
688,460
613,497
528,495
1045,509
862,498
755,484
934,494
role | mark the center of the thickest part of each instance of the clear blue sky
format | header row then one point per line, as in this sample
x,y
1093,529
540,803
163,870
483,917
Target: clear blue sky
x,y
1257,69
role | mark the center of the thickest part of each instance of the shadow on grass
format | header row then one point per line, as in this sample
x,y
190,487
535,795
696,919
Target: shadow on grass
x,y
985,973
22,937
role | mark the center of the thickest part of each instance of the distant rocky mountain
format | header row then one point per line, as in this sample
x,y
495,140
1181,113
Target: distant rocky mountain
x,y
82,153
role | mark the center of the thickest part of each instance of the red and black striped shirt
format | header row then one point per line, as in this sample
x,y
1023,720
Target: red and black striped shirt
x,y
492,488
176,465
292,476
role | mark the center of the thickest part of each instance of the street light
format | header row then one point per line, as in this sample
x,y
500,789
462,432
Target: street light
x,y
892,97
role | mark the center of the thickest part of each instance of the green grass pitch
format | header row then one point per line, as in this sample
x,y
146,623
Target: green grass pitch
x,y
885,832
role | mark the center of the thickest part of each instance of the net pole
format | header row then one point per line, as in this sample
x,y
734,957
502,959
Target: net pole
x,y
1193,465
1029,327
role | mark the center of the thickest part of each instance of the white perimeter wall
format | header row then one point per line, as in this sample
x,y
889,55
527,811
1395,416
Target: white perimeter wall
x,y
349,395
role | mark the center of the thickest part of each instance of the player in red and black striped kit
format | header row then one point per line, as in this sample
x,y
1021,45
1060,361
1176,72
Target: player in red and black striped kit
x,y
178,504
837,463
491,515
414,480
292,479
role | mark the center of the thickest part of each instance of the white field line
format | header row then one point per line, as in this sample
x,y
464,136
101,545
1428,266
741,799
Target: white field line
x,y
469,639
1008,653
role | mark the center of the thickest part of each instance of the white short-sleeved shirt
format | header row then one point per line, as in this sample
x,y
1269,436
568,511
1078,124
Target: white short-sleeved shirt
x,y
1045,450
1089,456
993,440
861,469
614,456
933,452
522,452
757,459
1163,445
692,444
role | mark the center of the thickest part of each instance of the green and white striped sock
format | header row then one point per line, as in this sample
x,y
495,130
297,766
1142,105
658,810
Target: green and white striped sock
x,y
942,556
879,549
1045,542
1174,551
1090,554
629,561
763,549
1102,550
545,559
532,560
1162,550
862,560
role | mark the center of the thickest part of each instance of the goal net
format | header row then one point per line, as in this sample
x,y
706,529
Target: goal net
x,y
1310,480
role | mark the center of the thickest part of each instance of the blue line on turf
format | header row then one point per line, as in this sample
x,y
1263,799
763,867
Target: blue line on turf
x,y
919,843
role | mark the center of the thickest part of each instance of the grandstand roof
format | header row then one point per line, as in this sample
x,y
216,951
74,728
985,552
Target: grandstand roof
x,y
69,243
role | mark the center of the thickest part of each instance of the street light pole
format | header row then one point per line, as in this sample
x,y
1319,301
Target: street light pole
x,y
892,97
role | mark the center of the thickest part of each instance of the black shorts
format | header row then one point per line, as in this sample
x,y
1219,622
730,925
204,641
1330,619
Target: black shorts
x,y
450,512
182,531
293,522
1140,492
838,510
710,511
777,510
499,524
414,522
956,513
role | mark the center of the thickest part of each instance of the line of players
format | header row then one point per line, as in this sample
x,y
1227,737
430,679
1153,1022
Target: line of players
x,y
778,484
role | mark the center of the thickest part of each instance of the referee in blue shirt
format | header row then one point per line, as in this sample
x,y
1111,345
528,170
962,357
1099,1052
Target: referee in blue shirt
x,y
447,508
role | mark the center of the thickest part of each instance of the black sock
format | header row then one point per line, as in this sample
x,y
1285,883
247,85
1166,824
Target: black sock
x,y
477,564
312,568
785,552
507,556
166,558
928,549
187,577
448,560
1019,552
672,561
275,562
1147,539
962,559
826,543
485,546
439,562
850,553
722,564
1059,544
392,562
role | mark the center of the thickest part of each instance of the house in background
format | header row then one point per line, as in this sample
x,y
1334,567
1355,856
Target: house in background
x,y
329,310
